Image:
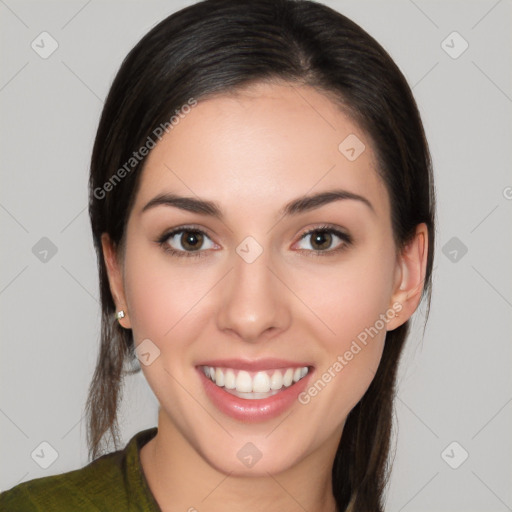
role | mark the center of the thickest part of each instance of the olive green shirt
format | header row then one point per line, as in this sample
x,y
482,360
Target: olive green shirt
x,y
113,482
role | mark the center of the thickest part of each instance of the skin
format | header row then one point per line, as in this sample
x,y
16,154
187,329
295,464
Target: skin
x,y
252,152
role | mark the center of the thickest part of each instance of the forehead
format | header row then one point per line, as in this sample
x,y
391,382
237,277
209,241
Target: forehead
x,y
261,146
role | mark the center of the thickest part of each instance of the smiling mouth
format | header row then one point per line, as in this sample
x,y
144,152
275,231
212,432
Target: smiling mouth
x,y
254,385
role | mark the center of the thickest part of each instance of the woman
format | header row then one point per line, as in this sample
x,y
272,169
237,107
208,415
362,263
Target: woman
x,y
262,205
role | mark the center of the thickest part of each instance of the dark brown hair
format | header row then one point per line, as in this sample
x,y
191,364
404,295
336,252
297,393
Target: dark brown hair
x,y
217,46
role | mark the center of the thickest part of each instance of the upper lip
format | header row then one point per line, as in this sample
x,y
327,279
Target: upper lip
x,y
269,363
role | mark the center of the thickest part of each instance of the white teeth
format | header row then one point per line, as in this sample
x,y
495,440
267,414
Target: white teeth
x,y
243,382
252,396
288,377
229,379
276,382
260,385
219,377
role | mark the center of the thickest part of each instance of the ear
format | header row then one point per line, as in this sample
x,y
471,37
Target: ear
x,y
409,277
115,277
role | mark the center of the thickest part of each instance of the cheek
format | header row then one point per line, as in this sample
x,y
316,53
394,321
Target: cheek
x,y
163,297
354,305
348,297
166,302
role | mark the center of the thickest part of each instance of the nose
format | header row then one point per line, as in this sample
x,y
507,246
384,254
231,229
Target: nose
x,y
253,303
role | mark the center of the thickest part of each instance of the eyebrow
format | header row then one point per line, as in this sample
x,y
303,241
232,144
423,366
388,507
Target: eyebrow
x,y
294,207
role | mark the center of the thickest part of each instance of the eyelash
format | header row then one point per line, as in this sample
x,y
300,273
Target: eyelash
x,y
162,241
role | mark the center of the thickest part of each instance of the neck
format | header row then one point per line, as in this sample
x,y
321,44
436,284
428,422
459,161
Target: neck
x,y
180,479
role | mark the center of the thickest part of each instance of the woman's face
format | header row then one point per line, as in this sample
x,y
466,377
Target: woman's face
x,y
248,291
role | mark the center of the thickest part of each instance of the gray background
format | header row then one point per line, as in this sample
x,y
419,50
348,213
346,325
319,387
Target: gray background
x,y
455,382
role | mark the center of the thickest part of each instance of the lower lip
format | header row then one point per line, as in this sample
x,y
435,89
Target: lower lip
x,y
257,410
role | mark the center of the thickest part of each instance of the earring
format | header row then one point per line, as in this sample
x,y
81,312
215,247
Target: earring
x,y
120,314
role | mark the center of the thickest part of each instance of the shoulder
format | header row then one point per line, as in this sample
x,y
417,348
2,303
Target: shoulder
x,y
104,484
82,489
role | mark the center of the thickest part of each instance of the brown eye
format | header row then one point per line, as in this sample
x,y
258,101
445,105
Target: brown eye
x,y
323,240
186,242
191,240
